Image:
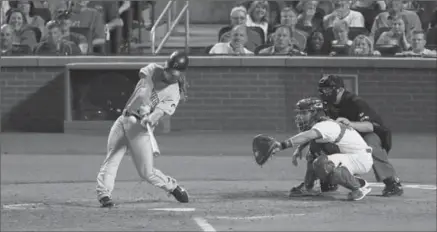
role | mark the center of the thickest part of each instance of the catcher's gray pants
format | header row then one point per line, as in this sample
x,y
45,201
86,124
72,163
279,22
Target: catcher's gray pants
x,y
382,168
128,135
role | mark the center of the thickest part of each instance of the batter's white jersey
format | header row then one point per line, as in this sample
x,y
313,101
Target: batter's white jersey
x,y
350,143
150,93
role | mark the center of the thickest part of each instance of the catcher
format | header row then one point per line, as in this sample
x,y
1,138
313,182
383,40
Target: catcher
x,y
355,156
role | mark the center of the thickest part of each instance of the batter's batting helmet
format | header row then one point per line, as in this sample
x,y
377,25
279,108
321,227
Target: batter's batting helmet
x,y
178,60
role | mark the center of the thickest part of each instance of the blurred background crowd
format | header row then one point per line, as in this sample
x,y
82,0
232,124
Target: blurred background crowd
x,y
291,28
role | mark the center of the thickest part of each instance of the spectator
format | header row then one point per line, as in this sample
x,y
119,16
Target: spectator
x,y
78,39
54,44
311,17
396,36
342,11
395,7
84,17
238,17
6,43
258,16
33,20
362,46
369,9
283,43
315,44
22,33
289,18
341,44
235,46
418,46
4,7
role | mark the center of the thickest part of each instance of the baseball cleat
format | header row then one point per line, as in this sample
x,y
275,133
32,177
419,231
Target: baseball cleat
x,y
393,190
106,202
180,194
363,182
358,194
393,187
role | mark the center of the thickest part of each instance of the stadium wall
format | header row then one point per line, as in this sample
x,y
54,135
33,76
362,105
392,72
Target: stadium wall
x,y
226,93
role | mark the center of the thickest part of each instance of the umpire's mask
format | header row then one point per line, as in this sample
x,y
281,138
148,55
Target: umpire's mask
x,y
328,88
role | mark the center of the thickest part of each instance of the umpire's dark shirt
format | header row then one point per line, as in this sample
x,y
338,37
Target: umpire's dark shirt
x,y
353,108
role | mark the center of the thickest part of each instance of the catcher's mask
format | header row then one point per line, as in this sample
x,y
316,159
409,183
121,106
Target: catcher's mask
x,y
308,112
329,86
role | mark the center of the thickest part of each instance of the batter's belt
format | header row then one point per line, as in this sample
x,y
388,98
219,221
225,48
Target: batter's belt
x,y
126,113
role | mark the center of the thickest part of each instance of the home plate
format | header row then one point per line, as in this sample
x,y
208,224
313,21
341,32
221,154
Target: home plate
x,y
174,209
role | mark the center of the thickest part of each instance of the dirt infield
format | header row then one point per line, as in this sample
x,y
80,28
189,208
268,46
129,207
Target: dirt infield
x,y
228,193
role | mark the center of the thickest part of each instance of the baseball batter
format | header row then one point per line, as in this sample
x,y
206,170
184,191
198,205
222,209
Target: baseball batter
x,y
355,156
157,93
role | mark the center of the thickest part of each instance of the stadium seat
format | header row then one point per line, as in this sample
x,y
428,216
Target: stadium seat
x,y
222,31
379,32
388,50
431,37
355,31
261,47
208,48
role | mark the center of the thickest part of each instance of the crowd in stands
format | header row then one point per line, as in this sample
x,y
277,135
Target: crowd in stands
x,y
292,28
327,28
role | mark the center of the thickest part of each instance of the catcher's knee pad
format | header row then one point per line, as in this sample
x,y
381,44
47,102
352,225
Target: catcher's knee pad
x,y
323,167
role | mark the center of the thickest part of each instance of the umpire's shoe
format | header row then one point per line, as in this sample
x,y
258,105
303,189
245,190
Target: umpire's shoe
x,y
180,194
106,202
393,187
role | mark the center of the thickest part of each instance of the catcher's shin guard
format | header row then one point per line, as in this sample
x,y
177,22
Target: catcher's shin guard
x,y
341,175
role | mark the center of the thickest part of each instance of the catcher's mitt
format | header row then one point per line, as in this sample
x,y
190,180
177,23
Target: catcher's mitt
x,y
263,147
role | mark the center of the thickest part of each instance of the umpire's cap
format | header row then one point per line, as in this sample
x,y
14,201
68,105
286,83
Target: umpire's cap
x,y
331,81
178,60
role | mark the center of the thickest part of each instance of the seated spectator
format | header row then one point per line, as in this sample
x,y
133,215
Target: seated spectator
x,y
54,45
369,9
22,32
362,46
396,36
395,7
33,20
418,47
311,17
6,43
235,46
238,17
342,11
78,39
258,16
315,44
289,18
84,17
341,44
283,43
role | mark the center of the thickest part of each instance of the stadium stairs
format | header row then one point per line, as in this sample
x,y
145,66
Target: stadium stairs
x,y
201,36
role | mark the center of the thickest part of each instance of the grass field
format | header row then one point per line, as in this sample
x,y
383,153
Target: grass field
x,y
228,191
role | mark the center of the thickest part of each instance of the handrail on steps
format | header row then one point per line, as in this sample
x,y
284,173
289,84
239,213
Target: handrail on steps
x,y
170,30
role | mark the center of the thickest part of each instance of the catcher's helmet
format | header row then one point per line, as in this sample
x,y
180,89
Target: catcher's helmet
x,y
178,61
328,86
308,112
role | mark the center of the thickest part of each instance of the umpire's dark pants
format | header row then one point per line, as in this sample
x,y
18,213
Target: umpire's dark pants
x,y
382,168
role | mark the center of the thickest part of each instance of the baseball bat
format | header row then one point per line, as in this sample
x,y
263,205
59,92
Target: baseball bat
x,y
155,148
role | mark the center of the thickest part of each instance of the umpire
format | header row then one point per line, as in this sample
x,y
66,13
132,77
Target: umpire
x,y
349,109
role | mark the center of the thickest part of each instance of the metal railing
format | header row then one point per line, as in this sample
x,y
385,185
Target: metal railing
x,y
171,27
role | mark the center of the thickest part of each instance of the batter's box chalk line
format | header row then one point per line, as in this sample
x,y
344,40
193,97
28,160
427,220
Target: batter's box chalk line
x,y
412,186
24,206
258,217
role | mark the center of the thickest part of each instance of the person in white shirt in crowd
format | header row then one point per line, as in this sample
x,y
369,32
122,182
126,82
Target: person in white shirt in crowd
x,y
363,46
342,11
3,9
341,34
235,46
418,47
